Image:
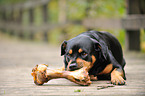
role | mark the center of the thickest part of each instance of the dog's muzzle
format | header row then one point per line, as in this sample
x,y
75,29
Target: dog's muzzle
x,y
73,66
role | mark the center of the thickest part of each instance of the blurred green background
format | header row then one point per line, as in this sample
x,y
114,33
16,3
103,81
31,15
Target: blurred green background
x,y
76,11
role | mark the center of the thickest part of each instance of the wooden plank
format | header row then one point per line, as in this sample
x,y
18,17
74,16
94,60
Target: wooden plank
x,y
44,12
133,35
31,15
104,23
31,21
26,5
89,23
20,16
133,7
32,27
4,15
62,17
45,20
11,16
133,22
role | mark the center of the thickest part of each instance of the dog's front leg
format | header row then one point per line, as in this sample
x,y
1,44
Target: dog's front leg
x,y
117,77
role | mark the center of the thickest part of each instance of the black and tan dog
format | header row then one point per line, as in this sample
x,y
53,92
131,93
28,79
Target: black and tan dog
x,y
101,51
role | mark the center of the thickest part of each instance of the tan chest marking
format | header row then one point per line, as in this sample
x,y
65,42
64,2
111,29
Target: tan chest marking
x,y
107,69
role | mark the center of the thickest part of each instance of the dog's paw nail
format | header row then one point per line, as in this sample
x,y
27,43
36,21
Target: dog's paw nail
x,y
116,82
122,82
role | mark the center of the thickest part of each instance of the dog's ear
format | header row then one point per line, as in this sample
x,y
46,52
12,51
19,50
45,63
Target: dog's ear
x,y
101,47
97,46
63,47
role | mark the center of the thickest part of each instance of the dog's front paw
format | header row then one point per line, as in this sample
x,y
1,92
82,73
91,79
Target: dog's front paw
x,y
117,78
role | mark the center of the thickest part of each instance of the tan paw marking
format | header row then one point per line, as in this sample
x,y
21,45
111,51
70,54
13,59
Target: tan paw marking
x,y
117,77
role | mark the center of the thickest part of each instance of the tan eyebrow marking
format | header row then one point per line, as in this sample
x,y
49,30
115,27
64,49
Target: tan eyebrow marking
x,y
80,50
70,51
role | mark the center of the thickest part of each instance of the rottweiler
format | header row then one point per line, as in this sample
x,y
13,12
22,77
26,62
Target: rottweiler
x,y
101,51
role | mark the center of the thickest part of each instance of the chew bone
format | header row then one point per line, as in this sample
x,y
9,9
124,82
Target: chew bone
x,y
41,74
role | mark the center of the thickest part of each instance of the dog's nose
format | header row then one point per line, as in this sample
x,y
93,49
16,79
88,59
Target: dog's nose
x,y
73,66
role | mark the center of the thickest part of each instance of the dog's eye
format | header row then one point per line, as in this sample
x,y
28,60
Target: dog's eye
x,y
84,54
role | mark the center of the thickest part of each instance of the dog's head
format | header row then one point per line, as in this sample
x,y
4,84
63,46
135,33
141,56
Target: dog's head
x,y
80,52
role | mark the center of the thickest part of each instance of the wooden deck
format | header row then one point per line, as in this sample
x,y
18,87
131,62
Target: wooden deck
x,y
17,59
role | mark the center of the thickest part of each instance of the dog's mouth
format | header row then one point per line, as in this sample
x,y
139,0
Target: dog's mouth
x,y
73,69
75,66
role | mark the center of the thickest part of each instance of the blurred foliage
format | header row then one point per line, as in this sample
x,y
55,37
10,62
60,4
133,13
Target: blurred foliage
x,y
25,18
10,1
76,10
38,20
58,35
143,40
53,10
96,8
80,9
